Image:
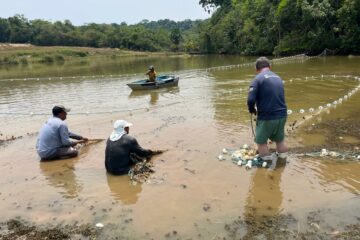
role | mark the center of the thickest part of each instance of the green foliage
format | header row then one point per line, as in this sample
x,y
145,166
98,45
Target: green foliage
x,y
145,36
47,59
9,60
176,38
349,31
282,27
251,27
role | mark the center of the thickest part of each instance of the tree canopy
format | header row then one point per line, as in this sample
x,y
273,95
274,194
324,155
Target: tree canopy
x,y
249,27
282,27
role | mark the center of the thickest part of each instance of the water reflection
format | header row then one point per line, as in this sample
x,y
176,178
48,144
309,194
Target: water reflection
x,y
154,95
333,173
123,190
60,174
265,195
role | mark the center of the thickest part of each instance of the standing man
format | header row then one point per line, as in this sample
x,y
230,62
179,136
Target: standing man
x,y
267,93
54,137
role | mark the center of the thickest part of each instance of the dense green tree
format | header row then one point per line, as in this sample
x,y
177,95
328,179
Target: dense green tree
x,y
4,30
176,37
251,27
21,31
349,26
282,27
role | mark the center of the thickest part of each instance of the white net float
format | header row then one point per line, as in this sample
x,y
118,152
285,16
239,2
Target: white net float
x,y
289,112
302,111
311,110
320,108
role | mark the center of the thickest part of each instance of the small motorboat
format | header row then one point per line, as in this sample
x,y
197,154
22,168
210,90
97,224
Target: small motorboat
x,y
161,82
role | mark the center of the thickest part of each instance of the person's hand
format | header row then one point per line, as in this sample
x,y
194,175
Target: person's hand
x,y
253,111
85,139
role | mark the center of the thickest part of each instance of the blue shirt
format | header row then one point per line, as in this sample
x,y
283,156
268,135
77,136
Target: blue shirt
x,y
267,92
53,135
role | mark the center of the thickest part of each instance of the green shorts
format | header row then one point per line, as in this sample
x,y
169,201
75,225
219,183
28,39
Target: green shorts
x,y
270,129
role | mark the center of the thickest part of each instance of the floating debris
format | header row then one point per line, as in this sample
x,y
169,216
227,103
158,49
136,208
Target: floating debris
x,y
141,171
326,153
99,225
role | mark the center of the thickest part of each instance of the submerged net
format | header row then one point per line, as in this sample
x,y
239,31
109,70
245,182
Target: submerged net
x,y
349,155
248,157
141,171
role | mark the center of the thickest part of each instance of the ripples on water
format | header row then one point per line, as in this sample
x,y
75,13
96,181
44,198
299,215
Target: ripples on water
x,y
196,120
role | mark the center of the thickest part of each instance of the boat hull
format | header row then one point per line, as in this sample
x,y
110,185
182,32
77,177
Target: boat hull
x,y
161,82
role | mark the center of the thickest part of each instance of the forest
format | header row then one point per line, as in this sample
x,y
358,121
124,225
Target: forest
x,y
247,27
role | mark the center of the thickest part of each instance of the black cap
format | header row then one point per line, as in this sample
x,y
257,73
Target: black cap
x,y
59,109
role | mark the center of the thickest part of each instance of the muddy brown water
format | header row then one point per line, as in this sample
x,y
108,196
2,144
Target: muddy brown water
x,y
191,194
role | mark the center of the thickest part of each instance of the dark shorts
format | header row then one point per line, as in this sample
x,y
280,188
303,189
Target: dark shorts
x,y
270,129
62,153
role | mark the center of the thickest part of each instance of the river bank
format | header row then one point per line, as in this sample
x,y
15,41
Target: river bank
x,y
23,54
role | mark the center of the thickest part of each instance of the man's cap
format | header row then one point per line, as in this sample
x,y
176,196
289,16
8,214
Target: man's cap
x,y
151,67
121,124
59,109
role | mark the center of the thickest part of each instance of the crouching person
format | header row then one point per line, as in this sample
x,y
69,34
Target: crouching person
x,y
122,150
54,137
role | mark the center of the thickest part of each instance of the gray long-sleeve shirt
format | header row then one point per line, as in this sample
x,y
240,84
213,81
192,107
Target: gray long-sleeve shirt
x,y
53,135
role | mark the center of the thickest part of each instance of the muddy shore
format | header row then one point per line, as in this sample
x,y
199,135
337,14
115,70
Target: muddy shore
x,y
19,229
251,225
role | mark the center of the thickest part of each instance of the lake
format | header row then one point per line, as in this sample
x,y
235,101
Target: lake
x,y
191,194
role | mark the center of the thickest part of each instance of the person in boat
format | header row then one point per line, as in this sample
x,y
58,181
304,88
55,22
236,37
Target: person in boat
x,y
122,150
152,74
267,92
54,137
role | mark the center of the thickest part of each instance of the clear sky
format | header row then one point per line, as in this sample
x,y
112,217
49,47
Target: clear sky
x,y
103,11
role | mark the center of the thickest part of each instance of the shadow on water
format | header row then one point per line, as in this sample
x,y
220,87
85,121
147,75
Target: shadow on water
x,y
123,190
61,174
154,95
